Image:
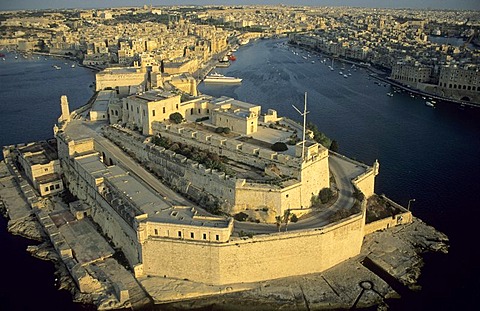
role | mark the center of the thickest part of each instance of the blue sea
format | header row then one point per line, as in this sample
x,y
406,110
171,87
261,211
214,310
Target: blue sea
x,y
429,154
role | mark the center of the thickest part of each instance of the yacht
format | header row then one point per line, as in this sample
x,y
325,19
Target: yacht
x,y
219,78
429,104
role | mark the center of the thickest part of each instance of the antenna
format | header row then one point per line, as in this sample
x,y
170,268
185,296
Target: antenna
x,y
304,114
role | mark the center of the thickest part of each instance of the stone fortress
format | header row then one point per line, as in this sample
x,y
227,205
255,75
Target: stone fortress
x,y
164,235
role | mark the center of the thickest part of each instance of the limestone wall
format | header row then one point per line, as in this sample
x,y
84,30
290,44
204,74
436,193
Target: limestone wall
x,y
366,183
255,259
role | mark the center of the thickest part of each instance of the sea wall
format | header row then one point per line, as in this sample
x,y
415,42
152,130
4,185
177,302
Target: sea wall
x,y
260,258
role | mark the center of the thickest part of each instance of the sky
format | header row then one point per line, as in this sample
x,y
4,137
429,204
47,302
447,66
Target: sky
x,y
52,4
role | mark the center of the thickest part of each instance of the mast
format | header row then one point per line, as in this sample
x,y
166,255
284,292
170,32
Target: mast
x,y
304,114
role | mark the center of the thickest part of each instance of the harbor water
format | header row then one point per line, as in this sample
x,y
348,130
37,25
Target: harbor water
x,y
429,154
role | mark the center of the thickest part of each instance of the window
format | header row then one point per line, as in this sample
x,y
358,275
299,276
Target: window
x,y
153,112
57,186
179,234
46,189
46,170
192,235
143,111
176,106
156,232
217,237
52,187
204,236
138,110
127,106
163,109
198,110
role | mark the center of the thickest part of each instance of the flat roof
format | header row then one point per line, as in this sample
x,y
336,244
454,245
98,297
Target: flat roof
x,y
154,95
41,152
185,215
140,195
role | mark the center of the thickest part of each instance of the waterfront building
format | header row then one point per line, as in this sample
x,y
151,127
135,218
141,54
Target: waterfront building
x,y
40,163
460,83
411,74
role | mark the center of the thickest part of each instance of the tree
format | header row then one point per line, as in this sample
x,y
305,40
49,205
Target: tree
x,y
334,146
176,117
279,146
325,195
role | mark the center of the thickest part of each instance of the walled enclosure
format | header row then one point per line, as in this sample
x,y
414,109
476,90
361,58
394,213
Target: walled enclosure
x,y
235,194
255,259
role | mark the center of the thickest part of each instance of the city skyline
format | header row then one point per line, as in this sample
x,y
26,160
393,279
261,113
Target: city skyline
x,y
427,4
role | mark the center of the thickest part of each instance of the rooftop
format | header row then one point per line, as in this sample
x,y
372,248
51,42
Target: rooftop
x,y
184,215
41,152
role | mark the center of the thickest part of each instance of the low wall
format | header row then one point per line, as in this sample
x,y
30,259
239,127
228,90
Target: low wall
x,y
260,258
405,217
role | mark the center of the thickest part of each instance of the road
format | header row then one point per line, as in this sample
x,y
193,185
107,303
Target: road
x,y
344,171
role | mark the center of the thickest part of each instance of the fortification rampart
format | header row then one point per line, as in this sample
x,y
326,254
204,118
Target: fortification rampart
x,y
235,194
255,259
231,148
84,185
404,217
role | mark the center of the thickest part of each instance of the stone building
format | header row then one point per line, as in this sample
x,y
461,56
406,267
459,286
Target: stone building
x,y
411,74
460,83
40,163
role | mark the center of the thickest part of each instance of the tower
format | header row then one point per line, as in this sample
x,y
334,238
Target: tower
x,y
65,117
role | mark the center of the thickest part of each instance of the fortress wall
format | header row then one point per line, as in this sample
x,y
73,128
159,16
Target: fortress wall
x,y
255,259
231,148
183,174
114,227
252,196
315,177
366,182
388,222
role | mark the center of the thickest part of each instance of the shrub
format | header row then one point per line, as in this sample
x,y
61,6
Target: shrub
x,y
219,130
176,117
279,146
226,130
241,216
325,195
294,218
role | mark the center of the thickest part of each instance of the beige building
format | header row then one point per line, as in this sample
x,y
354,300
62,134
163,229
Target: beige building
x,y
99,110
40,163
410,74
121,79
238,116
455,78
143,109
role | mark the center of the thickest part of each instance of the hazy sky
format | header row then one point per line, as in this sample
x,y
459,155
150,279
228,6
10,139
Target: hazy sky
x,y
47,4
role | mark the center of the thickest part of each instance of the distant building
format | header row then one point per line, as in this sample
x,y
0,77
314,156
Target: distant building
x,y
411,74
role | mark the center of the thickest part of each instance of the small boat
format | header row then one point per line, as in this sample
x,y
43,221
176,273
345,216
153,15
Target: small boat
x,y
73,66
390,94
345,76
341,73
232,57
313,62
57,67
429,104
2,55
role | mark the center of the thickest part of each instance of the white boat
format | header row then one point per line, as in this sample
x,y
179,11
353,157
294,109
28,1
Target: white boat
x,y
57,67
390,94
219,78
243,41
429,104
73,66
